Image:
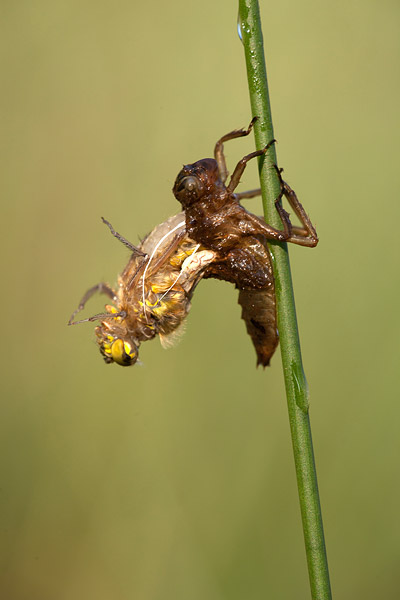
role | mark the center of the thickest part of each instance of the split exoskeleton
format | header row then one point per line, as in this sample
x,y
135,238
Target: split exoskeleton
x,y
214,236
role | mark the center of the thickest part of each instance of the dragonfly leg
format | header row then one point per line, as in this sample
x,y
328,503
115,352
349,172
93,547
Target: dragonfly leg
x,y
101,288
305,235
123,240
248,194
219,147
240,167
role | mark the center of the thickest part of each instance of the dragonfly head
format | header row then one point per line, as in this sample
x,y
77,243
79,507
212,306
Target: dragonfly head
x,y
197,181
116,349
115,342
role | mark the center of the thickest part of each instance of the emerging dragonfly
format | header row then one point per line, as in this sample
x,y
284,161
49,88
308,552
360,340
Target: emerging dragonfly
x,y
153,294
214,237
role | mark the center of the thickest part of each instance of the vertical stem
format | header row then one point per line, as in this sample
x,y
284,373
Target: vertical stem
x,y
295,381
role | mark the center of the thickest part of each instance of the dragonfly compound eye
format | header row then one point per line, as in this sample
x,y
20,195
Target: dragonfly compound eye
x,y
123,353
190,185
188,188
119,351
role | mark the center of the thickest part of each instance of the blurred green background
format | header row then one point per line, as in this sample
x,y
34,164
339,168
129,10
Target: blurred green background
x,y
175,480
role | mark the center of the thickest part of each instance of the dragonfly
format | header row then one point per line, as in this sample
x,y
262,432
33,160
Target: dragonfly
x,y
213,237
153,295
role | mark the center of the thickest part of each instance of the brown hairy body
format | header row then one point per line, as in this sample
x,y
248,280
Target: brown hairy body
x,y
153,293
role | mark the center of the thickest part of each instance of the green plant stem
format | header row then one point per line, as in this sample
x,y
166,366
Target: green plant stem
x,y
295,381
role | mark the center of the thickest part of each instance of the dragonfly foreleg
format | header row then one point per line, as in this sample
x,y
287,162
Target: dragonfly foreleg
x,y
219,147
101,288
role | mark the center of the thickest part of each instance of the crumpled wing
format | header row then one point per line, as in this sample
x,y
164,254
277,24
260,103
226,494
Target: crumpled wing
x,y
259,314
